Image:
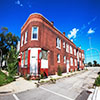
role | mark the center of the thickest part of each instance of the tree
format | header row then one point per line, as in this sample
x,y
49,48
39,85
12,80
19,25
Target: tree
x,y
95,63
12,61
89,64
7,39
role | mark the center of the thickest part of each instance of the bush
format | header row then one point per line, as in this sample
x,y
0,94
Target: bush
x,y
97,81
59,72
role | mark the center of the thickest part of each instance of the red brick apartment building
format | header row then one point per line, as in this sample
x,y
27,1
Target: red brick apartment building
x,y
43,47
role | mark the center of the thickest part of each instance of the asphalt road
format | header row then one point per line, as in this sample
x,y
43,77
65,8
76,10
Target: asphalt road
x,y
71,88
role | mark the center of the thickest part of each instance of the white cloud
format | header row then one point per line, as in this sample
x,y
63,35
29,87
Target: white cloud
x,y
90,31
73,33
18,3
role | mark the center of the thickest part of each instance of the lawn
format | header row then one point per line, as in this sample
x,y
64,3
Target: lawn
x,y
4,79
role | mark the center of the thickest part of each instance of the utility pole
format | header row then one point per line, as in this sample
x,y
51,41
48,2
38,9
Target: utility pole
x,y
90,47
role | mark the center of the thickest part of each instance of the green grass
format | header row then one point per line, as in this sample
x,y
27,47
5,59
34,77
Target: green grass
x,y
97,81
4,79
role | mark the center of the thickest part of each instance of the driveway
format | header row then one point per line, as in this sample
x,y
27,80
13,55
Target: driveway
x,y
70,88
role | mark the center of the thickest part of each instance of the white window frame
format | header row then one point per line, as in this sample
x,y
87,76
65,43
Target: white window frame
x,y
32,33
67,48
58,58
63,44
58,43
22,60
75,62
64,59
80,63
71,51
71,61
26,58
74,52
22,41
26,34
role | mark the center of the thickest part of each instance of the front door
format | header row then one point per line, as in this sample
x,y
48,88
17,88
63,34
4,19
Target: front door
x,y
67,66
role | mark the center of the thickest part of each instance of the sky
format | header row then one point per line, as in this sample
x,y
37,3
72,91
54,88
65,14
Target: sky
x,y
79,19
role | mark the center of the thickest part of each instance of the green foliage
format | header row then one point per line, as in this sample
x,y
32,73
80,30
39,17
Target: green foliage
x,y
97,81
42,76
95,63
12,61
4,79
89,64
7,39
59,72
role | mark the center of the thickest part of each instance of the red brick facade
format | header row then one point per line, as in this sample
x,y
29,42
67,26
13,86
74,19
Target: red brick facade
x,y
47,39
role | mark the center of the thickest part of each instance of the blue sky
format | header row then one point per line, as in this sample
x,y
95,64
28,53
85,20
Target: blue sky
x,y
79,19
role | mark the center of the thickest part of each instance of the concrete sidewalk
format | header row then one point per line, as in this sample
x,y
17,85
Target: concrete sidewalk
x,y
18,86
22,85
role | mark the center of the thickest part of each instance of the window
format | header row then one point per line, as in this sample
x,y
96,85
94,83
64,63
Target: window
x,y
26,57
64,59
67,47
71,50
26,37
75,63
58,58
58,43
22,40
80,54
44,54
63,44
75,52
80,63
34,33
22,61
71,60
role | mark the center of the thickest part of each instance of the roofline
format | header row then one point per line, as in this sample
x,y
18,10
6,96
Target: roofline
x,y
49,23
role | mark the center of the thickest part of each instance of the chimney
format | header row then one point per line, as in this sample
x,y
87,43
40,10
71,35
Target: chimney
x,y
72,40
64,33
52,23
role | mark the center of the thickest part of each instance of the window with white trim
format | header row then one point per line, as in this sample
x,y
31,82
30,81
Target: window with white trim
x,y
71,50
26,58
64,59
34,33
58,58
67,47
58,43
22,40
22,61
63,44
75,62
74,52
71,61
26,36
80,63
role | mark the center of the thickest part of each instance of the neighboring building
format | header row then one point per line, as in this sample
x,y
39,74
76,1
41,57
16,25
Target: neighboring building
x,y
43,48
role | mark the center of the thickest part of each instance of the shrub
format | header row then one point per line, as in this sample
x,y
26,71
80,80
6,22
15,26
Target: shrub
x,y
59,72
97,81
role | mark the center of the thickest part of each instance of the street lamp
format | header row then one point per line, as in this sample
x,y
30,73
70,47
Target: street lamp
x,y
96,50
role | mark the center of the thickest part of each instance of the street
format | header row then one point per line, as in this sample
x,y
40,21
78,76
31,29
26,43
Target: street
x,y
70,88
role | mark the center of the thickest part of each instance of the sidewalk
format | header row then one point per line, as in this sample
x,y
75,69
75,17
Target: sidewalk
x,y
18,86
22,85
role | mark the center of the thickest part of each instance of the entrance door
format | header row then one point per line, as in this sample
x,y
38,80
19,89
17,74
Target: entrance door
x,y
67,66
